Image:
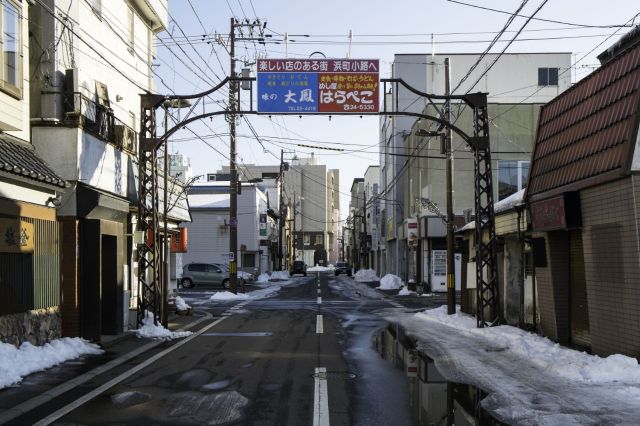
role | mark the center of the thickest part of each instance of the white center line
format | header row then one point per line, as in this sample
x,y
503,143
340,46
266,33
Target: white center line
x,y
320,398
319,291
319,325
319,300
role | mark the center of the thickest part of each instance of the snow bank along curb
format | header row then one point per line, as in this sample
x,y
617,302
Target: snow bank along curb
x,y
15,363
366,276
565,362
390,282
151,331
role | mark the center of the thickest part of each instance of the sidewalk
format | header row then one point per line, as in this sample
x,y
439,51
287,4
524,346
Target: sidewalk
x,y
41,387
528,379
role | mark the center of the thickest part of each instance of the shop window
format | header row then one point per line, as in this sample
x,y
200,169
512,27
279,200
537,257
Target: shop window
x,y
11,60
512,177
547,76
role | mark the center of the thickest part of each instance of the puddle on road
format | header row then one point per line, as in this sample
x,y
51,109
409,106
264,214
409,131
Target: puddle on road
x,y
429,392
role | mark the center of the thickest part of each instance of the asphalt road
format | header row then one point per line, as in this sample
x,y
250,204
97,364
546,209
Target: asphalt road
x,y
302,356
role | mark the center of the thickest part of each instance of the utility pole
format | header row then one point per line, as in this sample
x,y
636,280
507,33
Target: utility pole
x,y
231,117
295,237
364,219
281,224
233,208
451,278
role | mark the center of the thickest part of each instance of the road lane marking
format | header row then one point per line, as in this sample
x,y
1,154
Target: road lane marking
x,y
47,396
113,382
319,325
319,291
319,300
320,398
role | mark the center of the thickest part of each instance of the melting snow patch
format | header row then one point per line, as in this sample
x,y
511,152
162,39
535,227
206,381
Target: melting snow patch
x,y
181,305
227,295
128,399
404,292
320,269
15,363
280,275
390,282
263,278
366,276
151,331
564,362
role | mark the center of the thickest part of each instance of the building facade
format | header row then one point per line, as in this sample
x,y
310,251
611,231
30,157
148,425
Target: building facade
x,y
85,113
412,177
209,229
583,200
29,192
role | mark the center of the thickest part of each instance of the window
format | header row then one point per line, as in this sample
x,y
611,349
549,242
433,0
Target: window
x,y
197,267
11,72
306,240
130,20
512,177
547,76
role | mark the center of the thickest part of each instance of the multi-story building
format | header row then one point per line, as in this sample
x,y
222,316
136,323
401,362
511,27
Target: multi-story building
x,y
372,216
85,113
333,215
29,191
311,192
357,224
412,166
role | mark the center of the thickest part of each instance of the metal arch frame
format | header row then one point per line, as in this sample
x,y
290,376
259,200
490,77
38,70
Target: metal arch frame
x,y
149,289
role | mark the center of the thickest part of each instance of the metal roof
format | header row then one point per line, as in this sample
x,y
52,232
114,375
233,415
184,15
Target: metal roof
x,y
20,159
587,134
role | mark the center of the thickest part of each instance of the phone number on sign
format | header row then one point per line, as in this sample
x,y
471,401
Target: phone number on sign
x,y
359,107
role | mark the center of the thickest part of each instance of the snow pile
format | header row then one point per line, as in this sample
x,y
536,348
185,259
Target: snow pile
x,y
227,295
390,282
15,363
151,331
263,278
562,361
404,292
366,276
280,275
181,305
321,269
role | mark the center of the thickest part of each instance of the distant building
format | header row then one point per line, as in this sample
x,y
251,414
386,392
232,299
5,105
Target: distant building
x,y
412,167
209,230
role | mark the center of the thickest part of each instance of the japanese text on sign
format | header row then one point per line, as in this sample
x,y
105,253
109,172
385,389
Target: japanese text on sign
x,y
314,86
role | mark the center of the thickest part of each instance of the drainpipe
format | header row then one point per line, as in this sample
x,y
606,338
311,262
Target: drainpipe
x,y
521,238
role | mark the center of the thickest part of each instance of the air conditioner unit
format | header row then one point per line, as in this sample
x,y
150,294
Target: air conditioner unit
x,y
125,137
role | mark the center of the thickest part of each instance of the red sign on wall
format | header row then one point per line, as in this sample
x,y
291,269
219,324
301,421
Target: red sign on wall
x,y
548,215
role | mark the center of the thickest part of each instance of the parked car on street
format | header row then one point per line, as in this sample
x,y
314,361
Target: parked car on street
x,y
342,268
208,274
298,267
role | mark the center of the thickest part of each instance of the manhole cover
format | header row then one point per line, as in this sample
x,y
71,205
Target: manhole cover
x,y
335,375
496,349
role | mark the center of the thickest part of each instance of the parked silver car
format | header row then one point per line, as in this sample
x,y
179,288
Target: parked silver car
x,y
206,274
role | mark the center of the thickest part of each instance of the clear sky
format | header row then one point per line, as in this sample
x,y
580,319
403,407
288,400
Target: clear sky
x,y
379,29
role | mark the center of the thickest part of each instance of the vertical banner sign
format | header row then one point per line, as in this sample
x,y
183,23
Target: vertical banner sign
x,y
308,86
263,225
412,231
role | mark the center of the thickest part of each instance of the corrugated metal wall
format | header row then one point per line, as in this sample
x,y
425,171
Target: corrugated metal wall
x,y
32,280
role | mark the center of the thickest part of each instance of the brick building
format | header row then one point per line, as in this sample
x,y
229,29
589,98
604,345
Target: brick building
x,y
584,200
